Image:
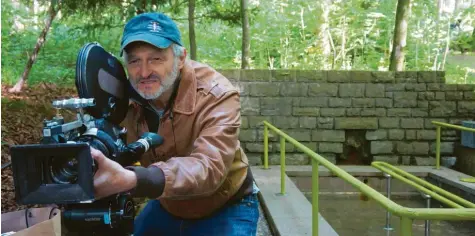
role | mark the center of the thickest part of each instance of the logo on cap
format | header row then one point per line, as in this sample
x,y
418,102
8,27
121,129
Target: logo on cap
x,y
154,27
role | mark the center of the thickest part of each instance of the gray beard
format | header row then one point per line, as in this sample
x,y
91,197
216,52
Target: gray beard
x,y
165,84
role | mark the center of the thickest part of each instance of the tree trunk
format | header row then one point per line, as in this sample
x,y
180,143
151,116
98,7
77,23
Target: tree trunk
x,y
191,27
323,32
447,44
246,46
39,43
400,35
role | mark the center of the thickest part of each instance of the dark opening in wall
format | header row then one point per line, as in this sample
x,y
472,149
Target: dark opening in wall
x,y
356,149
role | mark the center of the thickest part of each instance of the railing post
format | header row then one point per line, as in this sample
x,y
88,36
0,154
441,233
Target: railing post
x,y
406,226
437,149
266,147
282,165
427,222
315,192
388,227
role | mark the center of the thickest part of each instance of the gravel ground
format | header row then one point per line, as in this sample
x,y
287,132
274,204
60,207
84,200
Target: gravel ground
x,y
262,226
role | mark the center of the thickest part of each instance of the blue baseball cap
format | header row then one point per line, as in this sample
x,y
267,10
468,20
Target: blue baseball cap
x,y
153,28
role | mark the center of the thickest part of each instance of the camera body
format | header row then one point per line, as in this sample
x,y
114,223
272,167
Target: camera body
x,y
60,169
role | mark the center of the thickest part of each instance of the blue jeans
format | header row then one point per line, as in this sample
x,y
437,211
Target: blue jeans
x,y
238,219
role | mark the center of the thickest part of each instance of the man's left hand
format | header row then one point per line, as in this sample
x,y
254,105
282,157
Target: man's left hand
x,y
111,177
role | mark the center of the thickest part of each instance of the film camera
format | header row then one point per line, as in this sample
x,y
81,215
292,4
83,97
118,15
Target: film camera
x,y
60,170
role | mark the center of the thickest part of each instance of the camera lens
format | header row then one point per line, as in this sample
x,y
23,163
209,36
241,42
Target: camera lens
x,y
64,170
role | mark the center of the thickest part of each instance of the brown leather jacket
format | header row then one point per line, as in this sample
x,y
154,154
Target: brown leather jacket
x,y
208,166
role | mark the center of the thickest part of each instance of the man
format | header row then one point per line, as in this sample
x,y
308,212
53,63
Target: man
x,y
199,179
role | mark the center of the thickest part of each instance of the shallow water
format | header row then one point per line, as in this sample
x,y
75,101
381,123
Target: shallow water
x,y
351,216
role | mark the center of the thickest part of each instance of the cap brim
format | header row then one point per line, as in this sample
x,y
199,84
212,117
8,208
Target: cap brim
x,y
154,40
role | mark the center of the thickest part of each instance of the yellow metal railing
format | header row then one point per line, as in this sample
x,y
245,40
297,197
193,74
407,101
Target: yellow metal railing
x,y
439,126
407,215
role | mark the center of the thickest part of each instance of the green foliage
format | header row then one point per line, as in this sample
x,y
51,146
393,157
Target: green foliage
x,y
284,35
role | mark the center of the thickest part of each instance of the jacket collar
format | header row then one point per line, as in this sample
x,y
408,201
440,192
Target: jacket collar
x,y
185,100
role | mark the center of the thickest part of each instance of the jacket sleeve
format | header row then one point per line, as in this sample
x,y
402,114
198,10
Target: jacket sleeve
x,y
204,170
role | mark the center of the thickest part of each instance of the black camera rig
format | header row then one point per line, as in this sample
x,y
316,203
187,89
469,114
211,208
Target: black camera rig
x,y
60,169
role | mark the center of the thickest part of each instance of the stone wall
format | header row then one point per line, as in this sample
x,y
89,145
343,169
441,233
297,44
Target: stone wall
x,y
351,117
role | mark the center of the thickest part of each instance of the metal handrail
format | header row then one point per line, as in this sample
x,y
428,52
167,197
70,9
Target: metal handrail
x,y
437,193
438,126
407,215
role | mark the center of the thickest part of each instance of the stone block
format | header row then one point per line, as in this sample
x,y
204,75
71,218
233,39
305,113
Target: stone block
x,y
330,147
250,106
282,75
255,147
332,112
442,109
381,147
412,148
299,134
231,74
375,90
396,134
395,87
410,134
360,76
328,135
255,75
454,95
423,104
466,108
468,95
412,123
384,102
314,102
426,134
256,121
426,96
433,87
293,90
416,87
324,122
383,76
338,76
297,159
352,90
331,157
306,111
376,134
466,87
420,112
255,159
393,160
445,148
286,122
264,89
288,147
356,123
272,136
276,106
406,160
425,161
379,112
247,135
339,102
449,87
427,77
310,76
353,111
400,112
439,96
307,122
405,99
322,90
389,122
364,102
244,122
